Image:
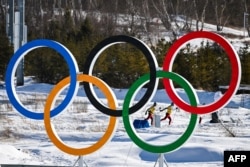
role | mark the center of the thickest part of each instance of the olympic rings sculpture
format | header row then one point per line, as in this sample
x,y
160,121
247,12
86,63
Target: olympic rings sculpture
x,y
151,79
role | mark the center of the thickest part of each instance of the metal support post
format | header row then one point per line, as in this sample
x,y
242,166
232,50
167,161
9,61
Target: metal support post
x,y
161,161
17,31
81,161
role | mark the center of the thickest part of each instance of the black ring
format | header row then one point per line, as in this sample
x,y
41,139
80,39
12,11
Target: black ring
x,y
96,51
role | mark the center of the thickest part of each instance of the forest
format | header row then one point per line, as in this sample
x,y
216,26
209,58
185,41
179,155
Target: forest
x,y
82,24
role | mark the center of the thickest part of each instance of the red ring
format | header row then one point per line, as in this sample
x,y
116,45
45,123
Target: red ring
x,y
235,70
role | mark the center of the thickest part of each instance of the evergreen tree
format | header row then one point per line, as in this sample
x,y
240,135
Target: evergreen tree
x,y
46,65
160,50
120,65
205,66
245,64
86,30
86,38
68,27
213,66
184,64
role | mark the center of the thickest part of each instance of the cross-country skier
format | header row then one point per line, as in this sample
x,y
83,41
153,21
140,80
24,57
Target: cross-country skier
x,y
150,112
169,110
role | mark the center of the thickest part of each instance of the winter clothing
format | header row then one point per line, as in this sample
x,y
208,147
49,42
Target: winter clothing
x,y
150,112
169,110
200,119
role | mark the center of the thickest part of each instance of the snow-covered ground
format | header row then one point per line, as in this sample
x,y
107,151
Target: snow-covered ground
x,y
24,141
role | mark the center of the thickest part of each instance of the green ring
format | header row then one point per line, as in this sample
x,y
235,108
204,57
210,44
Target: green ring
x,y
131,131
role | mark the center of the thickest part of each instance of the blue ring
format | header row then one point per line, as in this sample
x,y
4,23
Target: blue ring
x,y
73,69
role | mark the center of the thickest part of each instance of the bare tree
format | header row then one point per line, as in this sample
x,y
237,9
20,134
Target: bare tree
x,y
108,17
80,10
202,14
2,14
246,11
145,19
219,10
161,8
73,11
187,15
95,4
169,12
181,15
132,14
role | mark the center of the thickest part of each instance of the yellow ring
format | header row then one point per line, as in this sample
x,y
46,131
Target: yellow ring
x,y
51,132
